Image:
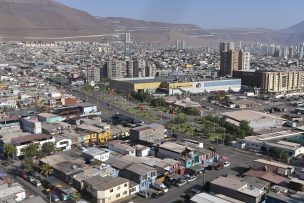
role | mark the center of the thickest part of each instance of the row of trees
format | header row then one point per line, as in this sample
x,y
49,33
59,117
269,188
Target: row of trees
x,y
241,131
30,151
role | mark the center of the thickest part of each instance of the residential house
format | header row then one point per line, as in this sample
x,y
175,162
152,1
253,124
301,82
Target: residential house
x,y
95,153
236,188
123,149
24,141
31,124
175,166
10,123
91,134
106,189
63,143
88,109
55,128
142,174
149,133
49,118
14,193
142,151
275,167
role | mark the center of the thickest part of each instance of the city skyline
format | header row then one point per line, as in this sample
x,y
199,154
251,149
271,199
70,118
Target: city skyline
x,y
272,14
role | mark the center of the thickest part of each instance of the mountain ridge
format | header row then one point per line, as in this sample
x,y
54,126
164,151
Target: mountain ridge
x,y
37,19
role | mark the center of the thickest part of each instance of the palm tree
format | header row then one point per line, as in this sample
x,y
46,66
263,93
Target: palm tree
x,y
48,148
31,150
9,150
46,170
75,196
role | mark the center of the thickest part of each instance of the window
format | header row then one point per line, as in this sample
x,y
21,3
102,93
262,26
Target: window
x,y
125,192
118,195
111,190
133,189
153,174
125,185
118,187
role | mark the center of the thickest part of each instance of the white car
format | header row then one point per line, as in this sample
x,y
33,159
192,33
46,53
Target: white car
x,y
226,163
192,178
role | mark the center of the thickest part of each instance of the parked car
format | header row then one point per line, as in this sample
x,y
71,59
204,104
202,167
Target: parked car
x,y
55,198
192,178
36,182
143,194
24,175
181,182
157,194
226,163
168,182
160,187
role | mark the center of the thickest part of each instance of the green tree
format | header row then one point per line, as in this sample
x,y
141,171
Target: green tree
x,y
9,150
179,119
245,127
158,102
27,164
30,151
191,111
46,170
48,148
75,196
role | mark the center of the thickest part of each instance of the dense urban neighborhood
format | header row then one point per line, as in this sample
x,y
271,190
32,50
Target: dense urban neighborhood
x,y
138,122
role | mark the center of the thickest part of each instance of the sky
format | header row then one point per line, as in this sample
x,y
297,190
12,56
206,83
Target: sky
x,y
273,14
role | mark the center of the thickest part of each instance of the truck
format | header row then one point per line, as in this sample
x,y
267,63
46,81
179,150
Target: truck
x,y
160,186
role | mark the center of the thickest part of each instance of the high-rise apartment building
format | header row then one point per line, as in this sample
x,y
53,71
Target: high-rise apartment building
x,y
127,37
232,60
139,68
93,74
273,82
244,60
114,68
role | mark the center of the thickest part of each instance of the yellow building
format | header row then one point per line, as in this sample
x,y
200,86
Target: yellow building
x,y
143,85
283,82
188,66
91,134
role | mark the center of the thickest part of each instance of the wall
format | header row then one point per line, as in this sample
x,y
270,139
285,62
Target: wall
x,y
64,144
107,196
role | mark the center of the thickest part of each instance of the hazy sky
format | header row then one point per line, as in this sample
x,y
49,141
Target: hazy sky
x,y
274,14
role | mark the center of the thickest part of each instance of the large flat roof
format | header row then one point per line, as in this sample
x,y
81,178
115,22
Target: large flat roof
x,y
248,115
204,197
273,163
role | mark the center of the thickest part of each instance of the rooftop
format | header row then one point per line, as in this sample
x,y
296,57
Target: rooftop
x,y
99,183
228,182
285,145
92,151
31,137
173,147
204,197
274,135
140,169
249,115
47,115
273,163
